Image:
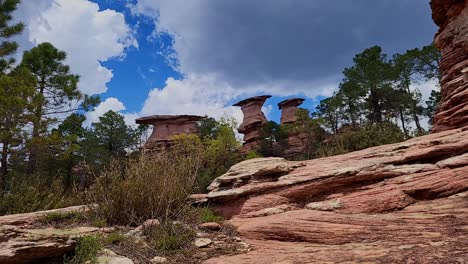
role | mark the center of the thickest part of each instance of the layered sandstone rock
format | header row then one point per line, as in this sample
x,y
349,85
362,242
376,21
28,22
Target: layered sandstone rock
x,y
165,127
22,242
253,122
296,142
452,40
289,110
388,204
399,203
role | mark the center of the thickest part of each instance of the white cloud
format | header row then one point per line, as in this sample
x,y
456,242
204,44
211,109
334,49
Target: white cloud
x,y
109,104
78,27
194,95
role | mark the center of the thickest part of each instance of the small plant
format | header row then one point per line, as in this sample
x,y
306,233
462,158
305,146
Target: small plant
x,y
206,214
99,222
86,250
169,236
113,238
252,155
61,218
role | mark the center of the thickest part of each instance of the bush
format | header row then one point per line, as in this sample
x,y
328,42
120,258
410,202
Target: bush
x,y
169,236
370,136
86,250
206,215
29,193
60,218
150,186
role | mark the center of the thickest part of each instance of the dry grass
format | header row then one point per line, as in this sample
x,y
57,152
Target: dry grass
x,y
150,186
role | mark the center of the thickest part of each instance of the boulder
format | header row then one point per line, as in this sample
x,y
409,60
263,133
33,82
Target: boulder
x,y
109,257
20,245
203,242
212,226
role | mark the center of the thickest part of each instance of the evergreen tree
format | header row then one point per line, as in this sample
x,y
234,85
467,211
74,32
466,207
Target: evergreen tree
x,y
373,73
56,92
7,31
15,90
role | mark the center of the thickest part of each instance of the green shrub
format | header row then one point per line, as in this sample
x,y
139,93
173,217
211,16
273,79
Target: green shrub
x,y
150,186
29,193
113,238
86,250
169,236
56,218
206,215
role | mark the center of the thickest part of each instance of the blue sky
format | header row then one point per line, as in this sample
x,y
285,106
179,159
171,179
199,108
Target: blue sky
x,y
198,57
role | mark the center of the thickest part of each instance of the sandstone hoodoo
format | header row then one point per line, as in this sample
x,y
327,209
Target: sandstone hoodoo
x,y
295,141
289,109
452,40
253,121
165,127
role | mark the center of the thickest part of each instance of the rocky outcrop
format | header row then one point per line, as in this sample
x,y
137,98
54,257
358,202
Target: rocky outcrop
x,y
452,40
398,203
289,110
165,127
253,122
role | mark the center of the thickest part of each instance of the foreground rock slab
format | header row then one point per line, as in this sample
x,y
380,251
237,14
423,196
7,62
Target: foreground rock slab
x,y
399,203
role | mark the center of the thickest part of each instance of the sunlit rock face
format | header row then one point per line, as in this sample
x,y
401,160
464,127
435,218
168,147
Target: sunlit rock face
x,y
399,203
452,41
253,123
165,127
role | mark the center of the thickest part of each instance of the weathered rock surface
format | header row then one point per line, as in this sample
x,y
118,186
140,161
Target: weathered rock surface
x,y
23,242
452,40
289,109
253,121
22,245
30,218
167,126
109,257
399,203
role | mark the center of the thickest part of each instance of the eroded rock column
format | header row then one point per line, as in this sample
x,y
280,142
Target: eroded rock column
x,y
165,127
289,110
452,41
253,122
295,141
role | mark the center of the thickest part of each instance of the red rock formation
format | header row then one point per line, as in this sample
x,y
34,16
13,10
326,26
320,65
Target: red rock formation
x,y
295,141
452,40
289,109
167,126
253,122
399,203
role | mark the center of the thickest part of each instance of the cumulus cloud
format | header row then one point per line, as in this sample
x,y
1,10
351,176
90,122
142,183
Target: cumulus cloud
x,y
78,27
109,104
194,95
288,47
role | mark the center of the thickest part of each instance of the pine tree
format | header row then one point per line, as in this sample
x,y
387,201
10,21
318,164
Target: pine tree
x,y
56,92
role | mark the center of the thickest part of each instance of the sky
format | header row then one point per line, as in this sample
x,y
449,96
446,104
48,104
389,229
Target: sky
x,y
148,57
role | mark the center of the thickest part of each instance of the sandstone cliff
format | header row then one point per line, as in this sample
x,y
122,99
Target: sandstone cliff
x,y
452,41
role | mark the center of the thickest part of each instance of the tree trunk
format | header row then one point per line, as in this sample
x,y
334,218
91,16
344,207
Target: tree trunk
x,y
418,124
402,118
4,163
36,131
